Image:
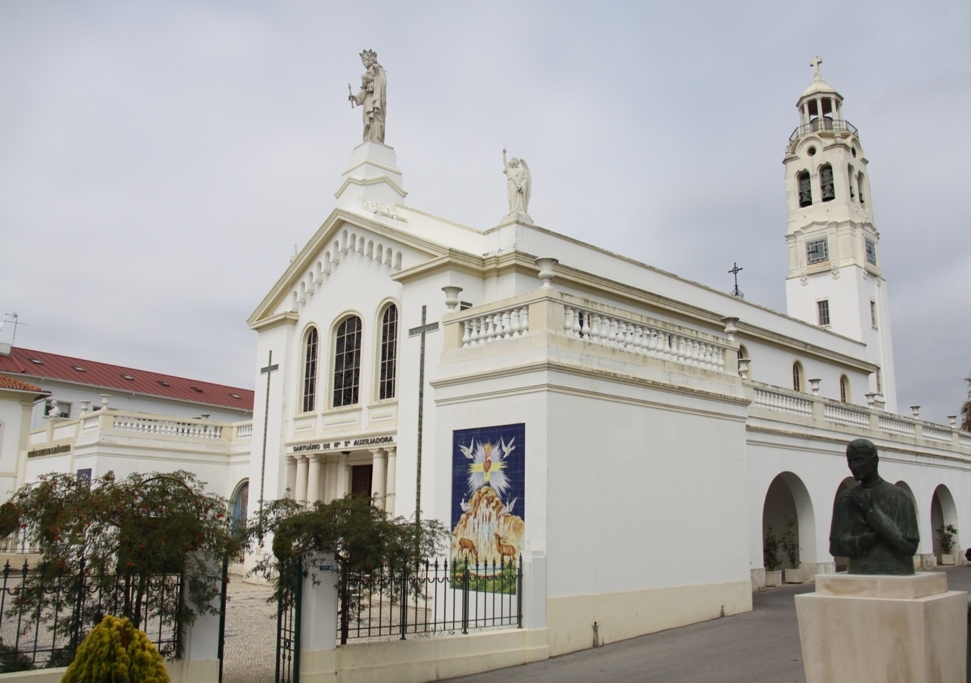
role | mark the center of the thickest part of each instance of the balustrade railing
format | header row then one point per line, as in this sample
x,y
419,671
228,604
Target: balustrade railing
x,y
823,124
964,440
891,424
780,402
641,338
505,324
147,425
844,415
244,431
937,433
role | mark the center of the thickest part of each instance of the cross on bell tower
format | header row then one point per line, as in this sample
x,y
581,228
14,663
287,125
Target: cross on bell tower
x,y
835,280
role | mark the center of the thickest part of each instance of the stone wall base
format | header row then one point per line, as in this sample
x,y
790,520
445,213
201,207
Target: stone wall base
x,y
879,629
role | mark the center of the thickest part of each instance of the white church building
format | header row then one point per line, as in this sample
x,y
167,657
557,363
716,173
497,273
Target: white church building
x,y
641,431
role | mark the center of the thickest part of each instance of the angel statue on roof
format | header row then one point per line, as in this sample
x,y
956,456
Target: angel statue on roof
x,y
372,97
519,184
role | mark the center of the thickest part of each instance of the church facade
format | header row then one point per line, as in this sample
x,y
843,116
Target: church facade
x,y
630,434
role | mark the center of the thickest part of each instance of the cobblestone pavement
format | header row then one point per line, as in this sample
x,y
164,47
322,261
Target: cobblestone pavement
x,y
250,649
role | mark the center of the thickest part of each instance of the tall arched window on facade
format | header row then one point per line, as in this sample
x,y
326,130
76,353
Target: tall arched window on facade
x,y
844,389
389,353
826,183
797,376
347,363
805,189
859,187
310,372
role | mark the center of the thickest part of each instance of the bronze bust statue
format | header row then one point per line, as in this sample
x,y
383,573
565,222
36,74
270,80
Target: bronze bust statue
x,y
875,523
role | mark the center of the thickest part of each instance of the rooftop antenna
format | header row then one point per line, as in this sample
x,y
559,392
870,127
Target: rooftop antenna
x,y
735,271
15,319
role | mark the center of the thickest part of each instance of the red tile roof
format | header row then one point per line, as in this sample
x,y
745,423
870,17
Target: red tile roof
x,y
42,365
17,385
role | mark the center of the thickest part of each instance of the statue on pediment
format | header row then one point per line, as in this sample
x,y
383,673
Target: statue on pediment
x,y
372,97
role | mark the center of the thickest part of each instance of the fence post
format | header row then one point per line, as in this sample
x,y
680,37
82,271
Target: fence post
x,y
223,594
465,598
200,656
403,616
532,593
318,627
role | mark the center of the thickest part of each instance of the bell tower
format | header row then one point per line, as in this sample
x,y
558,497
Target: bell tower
x,y
835,278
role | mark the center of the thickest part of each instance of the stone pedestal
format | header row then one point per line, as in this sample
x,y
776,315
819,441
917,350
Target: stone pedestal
x,y
883,628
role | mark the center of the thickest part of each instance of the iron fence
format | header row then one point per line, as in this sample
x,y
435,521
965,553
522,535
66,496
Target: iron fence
x,y
434,599
45,611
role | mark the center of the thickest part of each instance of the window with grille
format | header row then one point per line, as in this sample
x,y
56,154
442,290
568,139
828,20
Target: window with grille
x,y
817,251
310,372
871,251
347,362
822,308
796,376
389,352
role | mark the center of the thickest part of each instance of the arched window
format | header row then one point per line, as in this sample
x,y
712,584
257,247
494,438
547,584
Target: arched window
x,y
826,183
347,362
859,186
389,352
851,178
797,376
805,189
241,503
844,389
310,372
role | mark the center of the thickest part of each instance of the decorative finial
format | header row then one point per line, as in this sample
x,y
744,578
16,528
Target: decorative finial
x,y
735,270
814,63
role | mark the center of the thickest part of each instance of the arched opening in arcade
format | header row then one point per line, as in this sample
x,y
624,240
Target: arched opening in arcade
x,y
944,517
788,510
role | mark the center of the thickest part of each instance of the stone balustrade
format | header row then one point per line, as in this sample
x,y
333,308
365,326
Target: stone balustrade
x,y
506,323
850,416
897,425
244,431
868,422
196,429
782,402
562,315
642,339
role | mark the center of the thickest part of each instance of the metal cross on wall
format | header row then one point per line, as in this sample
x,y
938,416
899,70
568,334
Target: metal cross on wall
x,y
422,329
270,368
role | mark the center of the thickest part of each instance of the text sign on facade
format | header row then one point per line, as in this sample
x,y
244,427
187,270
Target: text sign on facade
x,y
343,445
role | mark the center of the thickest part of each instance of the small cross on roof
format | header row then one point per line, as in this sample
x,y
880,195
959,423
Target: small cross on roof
x,y
814,63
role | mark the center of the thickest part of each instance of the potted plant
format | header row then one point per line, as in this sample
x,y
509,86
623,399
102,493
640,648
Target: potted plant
x,y
770,558
945,538
790,546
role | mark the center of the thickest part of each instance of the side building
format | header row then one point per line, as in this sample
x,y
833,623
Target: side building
x,y
88,417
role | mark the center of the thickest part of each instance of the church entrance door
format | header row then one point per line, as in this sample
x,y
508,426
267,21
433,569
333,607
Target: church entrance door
x,y
361,480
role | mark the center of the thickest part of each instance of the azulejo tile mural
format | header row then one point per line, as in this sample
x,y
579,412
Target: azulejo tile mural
x,y
489,504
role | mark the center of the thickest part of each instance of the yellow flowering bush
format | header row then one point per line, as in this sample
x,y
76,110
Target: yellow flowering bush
x,y
116,652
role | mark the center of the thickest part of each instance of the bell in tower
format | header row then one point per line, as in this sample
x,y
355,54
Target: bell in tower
x,y
834,278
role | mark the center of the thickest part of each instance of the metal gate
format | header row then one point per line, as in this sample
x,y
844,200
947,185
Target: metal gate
x,y
288,624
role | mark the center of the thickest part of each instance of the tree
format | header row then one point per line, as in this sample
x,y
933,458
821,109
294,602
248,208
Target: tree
x,y
112,544
966,409
359,535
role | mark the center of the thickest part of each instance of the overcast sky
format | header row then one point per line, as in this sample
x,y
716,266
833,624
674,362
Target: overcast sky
x,y
159,161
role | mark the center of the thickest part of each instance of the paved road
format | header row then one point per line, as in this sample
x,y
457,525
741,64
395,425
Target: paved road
x,y
762,645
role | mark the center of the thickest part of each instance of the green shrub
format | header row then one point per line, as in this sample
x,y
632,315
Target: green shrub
x,y
116,652
770,549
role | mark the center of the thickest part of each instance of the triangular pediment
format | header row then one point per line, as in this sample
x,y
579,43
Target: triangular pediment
x,y
342,233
